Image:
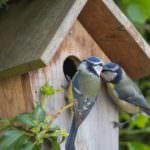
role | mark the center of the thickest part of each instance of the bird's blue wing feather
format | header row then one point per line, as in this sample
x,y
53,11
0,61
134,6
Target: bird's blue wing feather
x,y
138,101
132,96
82,101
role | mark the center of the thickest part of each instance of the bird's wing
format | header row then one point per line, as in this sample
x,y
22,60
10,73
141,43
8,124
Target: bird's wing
x,y
138,101
83,103
131,94
127,88
76,86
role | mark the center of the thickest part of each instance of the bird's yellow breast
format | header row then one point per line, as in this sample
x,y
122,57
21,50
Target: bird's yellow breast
x,y
122,104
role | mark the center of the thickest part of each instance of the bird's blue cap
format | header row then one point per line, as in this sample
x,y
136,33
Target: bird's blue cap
x,y
95,60
111,66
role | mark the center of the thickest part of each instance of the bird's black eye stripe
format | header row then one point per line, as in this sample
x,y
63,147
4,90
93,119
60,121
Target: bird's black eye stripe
x,y
109,70
119,75
91,69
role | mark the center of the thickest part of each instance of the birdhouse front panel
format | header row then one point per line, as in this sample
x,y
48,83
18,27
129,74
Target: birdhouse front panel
x,y
77,46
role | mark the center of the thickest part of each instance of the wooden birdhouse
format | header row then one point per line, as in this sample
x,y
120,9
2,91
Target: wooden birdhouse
x,y
45,40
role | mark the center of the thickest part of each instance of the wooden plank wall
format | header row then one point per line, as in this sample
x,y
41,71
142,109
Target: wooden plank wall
x,y
15,96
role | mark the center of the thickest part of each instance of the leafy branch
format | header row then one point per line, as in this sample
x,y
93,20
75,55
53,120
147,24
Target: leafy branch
x,y
29,131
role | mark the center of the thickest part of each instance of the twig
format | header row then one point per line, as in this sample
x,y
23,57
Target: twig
x,y
60,111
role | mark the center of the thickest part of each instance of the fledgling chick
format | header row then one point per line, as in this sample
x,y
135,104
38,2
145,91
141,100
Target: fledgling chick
x,y
123,91
83,90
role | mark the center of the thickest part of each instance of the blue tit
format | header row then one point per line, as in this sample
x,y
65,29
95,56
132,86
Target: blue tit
x,y
83,89
123,91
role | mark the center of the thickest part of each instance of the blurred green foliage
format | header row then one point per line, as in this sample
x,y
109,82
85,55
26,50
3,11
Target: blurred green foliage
x,y
3,3
139,8
136,134
138,11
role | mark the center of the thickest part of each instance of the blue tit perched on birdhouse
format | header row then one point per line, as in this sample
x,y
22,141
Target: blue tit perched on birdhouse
x,y
84,89
123,91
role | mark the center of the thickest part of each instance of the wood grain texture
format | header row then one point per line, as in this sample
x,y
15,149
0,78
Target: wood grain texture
x,y
97,132
15,96
118,38
30,32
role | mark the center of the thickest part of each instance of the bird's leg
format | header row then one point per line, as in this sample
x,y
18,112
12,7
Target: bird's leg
x,y
122,124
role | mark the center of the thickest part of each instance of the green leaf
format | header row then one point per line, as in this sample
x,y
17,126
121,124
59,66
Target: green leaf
x,y
124,116
135,14
54,127
39,113
137,146
137,11
19,143
10,139
5,124
5,121
140,122
31,146
58,133
25,118
36,147
49,90
55,145
28,146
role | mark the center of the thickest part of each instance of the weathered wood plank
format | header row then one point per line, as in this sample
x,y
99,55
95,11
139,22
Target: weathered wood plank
x,y
116,36
29,32
15,96
97,132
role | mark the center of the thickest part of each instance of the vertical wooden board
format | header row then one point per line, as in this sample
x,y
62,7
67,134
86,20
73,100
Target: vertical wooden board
x,y
117,36
97,132
15,96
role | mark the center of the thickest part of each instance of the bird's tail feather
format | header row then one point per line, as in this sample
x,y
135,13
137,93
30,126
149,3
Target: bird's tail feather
x,y
70,144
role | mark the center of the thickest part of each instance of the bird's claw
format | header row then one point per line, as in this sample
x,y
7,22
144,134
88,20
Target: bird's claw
x,y
118,124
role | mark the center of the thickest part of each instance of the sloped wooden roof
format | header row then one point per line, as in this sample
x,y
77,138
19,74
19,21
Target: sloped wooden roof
x,y
31,33
116,35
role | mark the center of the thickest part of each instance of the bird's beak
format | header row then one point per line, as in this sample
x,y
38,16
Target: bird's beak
x,y
98,70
